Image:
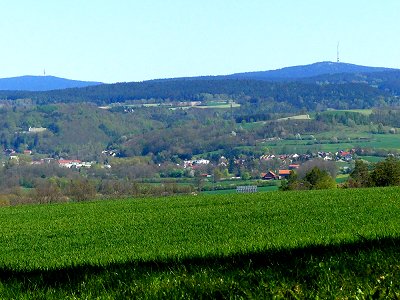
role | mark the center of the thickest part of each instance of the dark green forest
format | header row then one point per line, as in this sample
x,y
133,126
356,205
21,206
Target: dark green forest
x,y
287,96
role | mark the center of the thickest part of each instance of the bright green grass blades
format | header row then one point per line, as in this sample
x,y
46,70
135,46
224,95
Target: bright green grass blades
x,y
101,233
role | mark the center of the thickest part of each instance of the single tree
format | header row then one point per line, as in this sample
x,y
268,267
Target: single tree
x,y
387,172
360,176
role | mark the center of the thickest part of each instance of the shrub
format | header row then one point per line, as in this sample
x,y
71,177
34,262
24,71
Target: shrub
x,y
47,192
82,190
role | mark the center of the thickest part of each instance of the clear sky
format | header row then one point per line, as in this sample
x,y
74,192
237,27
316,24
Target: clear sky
x,y
135,40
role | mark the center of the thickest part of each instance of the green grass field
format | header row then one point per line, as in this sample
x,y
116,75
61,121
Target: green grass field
x,y
341,178
297,117
372,159
233,191
326,244
349,140
366,112
219,105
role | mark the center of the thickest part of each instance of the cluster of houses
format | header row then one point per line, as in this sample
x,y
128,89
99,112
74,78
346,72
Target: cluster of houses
x,y
194,163
112,153
290,161
64,163
74,163
344,156
328,156
12,154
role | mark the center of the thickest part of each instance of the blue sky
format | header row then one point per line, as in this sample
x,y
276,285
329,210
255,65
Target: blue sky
x,y
130,40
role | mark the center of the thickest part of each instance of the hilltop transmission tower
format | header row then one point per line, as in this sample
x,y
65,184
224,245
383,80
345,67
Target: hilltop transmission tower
x,y
337,52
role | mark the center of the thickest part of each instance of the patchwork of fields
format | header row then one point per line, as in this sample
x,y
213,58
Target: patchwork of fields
x,y
92,239
373,141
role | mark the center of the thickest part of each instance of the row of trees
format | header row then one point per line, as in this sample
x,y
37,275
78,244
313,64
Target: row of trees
x,y
384,173
56,190
381,120
317,175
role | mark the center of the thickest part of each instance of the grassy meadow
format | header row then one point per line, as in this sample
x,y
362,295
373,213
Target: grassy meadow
x,y
286,244
347,140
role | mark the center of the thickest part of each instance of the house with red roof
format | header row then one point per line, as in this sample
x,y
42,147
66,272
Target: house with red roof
x,y
269,176
67,163
284,174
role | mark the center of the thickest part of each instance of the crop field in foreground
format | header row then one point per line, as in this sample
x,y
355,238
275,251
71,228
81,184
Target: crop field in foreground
x,y
292,244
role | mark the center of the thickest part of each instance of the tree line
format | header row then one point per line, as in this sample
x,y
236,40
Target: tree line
x,y
321,175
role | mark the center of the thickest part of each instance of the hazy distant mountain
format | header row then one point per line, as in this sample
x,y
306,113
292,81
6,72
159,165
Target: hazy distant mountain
x,y
41,83
312,70
340,85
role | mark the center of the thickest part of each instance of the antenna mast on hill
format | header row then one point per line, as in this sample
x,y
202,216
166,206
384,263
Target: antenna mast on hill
x,y
337,52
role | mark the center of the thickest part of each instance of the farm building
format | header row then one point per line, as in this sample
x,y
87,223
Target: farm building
x,y
269,176
283,174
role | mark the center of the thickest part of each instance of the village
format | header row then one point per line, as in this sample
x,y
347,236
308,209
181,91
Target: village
x,y
286,162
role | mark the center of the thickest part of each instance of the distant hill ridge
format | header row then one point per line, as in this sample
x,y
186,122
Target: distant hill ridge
x,y
294,73
305,71
41,83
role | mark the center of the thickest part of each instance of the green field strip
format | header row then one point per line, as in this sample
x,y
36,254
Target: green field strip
x,y
99,233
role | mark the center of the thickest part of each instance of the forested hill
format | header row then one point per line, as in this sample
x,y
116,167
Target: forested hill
x,y
294,94
297,73
384,80
41,83
332,90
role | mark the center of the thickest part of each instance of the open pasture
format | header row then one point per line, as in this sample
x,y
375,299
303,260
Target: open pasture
x,y
366,112
347,141
297,117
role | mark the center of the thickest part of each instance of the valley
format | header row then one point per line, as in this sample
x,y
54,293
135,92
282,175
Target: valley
x,y
201,187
